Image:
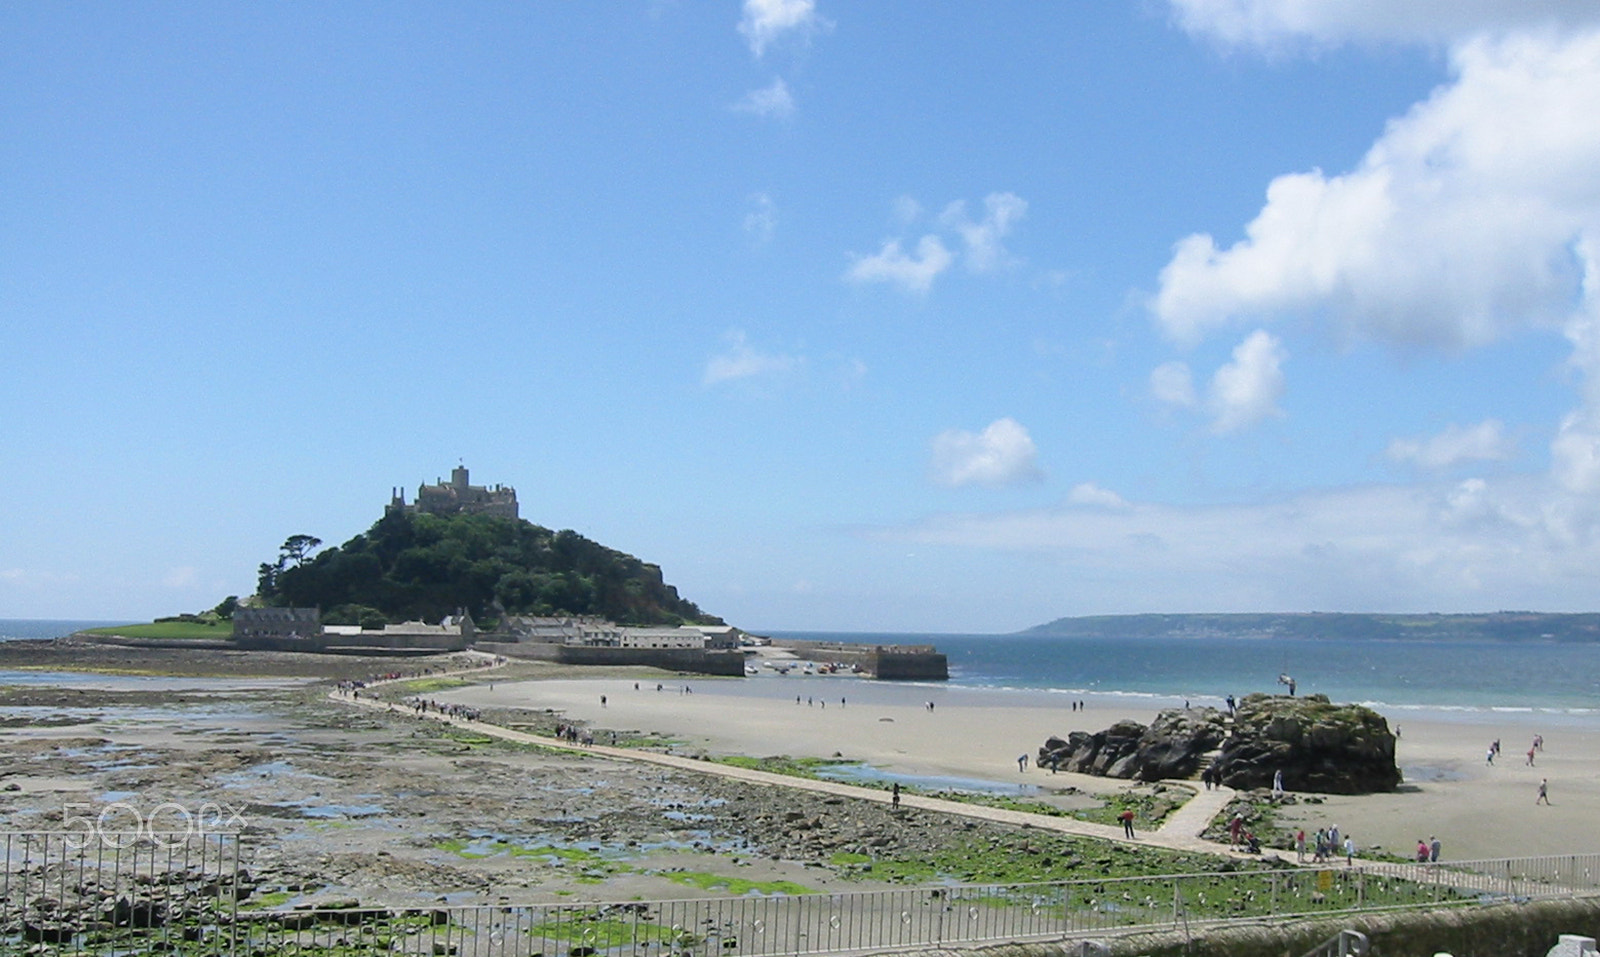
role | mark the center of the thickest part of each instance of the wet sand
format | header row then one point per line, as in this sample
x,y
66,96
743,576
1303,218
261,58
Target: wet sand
x,y
1476,810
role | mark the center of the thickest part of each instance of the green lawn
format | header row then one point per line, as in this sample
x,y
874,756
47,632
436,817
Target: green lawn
x,y
170,629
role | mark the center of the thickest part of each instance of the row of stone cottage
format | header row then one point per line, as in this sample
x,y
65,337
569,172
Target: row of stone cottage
x,y
302,629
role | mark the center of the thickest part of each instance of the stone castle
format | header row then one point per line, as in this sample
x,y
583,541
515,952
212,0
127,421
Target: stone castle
x,y
456,497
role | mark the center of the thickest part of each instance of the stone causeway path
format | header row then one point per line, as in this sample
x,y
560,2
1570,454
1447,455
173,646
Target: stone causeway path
x,y
1179,832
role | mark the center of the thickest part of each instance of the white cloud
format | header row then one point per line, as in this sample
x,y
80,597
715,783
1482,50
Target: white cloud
x,y
1171,383
1002,454
761,222
1575,451
741,361
1484,442
766,21
1088,493
1514,543
981,242
984,250
1246,391
1457,227
1272,23
770,101
892,265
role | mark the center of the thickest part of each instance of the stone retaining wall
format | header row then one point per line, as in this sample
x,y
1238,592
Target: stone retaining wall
x,y
692,660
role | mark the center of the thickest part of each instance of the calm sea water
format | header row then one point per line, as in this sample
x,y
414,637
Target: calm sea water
x,y
13,629
1558,683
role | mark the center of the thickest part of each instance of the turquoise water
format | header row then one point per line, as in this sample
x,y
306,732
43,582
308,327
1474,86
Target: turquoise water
x,y
1439,679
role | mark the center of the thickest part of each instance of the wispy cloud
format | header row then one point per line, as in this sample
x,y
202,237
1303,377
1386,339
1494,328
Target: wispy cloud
x,y
1090,494
984,250
979,241
1519,542
1002,454
1485,442
891,264
1272,23
761,220
742,361
1172,384
772,101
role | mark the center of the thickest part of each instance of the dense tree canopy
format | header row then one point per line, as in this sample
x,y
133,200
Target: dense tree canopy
x,y
409,566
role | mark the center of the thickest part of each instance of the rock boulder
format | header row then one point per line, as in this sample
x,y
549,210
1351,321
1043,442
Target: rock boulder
x,y
1317,745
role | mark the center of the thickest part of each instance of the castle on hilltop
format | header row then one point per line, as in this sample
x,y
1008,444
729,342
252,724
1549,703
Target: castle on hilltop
x,y
457,497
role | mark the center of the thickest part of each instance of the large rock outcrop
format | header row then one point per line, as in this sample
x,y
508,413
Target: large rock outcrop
x,y
1317,745
1173,746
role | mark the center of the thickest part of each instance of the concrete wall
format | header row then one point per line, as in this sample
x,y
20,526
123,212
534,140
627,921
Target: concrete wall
x,y
912,666
887,662
371,642
692,660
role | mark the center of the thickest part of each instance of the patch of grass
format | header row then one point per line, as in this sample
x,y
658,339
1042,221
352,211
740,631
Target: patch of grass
x,y
175,630
266,901
1149,809
427,685
737,886
783,764
1026,856
478,849
602,933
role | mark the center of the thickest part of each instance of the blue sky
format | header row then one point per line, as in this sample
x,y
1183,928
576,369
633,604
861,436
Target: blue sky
x,y
849,316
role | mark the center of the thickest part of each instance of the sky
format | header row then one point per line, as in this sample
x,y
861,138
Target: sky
x,y
852,317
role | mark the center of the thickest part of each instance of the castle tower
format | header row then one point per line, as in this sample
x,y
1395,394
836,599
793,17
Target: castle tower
x,y
458,478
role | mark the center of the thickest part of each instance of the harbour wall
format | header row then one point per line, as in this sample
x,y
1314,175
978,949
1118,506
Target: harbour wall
x,y
885,662
692,660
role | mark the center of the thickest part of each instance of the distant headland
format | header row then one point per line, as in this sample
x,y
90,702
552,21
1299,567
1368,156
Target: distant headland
x,y
1509,626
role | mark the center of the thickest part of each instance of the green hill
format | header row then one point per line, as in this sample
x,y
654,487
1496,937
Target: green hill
x,y
422,566
1490,626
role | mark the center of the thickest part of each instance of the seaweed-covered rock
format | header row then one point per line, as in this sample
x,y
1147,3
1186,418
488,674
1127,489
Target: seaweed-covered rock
x,y
1315,744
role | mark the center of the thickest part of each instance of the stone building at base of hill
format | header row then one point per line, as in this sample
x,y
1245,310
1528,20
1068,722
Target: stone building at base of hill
x,y
301,629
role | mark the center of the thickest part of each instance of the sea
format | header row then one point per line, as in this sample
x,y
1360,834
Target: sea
x,y
1547,684
16,629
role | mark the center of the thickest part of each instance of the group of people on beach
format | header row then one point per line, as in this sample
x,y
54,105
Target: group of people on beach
x,y
1326,845
448,709
1534,750
573,734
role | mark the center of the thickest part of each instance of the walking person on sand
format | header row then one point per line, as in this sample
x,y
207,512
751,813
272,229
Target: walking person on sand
x,y
1544,792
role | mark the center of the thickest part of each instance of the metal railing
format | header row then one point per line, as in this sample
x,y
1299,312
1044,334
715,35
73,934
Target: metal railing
x,y
192,895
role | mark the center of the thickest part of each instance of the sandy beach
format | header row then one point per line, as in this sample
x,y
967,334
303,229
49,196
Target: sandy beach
x,y
1475,809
